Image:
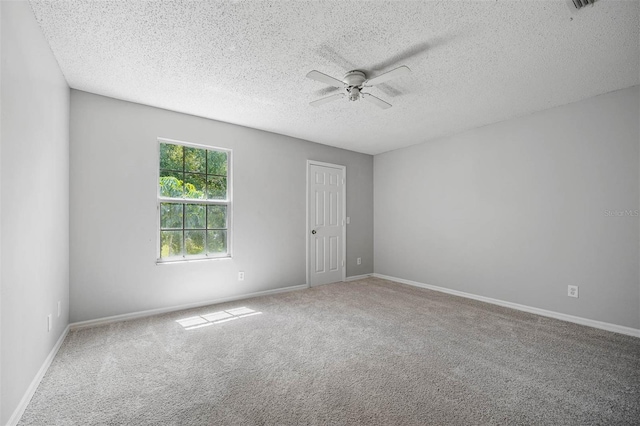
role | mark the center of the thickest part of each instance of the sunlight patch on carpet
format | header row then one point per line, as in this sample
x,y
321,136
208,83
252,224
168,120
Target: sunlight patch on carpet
x,y
219,317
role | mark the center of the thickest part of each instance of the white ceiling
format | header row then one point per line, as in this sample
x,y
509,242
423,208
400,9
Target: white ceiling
x,y
244,62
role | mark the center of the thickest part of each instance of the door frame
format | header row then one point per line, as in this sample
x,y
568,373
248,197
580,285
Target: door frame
x,y
344,218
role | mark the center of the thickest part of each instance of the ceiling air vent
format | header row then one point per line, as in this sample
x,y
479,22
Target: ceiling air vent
x,y
579,4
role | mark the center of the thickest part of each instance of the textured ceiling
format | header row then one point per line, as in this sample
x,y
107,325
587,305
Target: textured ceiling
x,y
244,62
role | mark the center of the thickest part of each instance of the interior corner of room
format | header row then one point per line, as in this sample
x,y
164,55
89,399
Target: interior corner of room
x,y
515,213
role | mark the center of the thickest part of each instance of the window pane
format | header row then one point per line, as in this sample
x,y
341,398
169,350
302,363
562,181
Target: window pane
x,y
216,188
194,186
216,217
170,216
195,216
171,184
217,163
170,243
195,160
191,173
170,156
216,242
194,242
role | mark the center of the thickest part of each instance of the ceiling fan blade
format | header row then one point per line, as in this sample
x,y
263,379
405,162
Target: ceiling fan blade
x,y
323,78
376,101
397,72
327,99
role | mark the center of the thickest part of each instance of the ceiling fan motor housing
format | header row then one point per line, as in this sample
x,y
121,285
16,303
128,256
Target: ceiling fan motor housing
x,y
354,78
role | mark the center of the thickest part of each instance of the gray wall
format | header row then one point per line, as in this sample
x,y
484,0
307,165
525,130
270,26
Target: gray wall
x,y
35,202
520,209
113,209
1,418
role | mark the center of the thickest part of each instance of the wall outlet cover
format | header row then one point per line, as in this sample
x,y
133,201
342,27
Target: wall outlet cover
x,y
572,291
240,276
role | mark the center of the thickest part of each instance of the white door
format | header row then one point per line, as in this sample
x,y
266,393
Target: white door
x,y
326,223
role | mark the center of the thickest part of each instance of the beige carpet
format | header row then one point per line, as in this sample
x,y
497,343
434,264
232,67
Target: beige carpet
x,y
369,352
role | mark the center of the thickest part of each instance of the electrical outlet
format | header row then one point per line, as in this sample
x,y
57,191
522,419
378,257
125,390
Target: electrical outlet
x,y
240,276
59,308
572,291
359,261
49,322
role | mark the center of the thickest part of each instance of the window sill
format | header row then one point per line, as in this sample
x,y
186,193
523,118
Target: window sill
x,y
190,260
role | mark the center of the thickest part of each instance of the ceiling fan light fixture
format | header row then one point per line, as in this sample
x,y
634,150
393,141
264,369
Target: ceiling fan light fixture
x,y
354,94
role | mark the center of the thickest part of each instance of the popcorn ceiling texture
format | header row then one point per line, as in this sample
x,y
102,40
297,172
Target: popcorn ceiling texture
x,y
244,62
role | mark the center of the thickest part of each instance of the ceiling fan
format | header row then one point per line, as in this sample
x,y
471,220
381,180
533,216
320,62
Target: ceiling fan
x,y
353,82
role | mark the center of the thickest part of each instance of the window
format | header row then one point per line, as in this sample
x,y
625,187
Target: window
x,y
194,202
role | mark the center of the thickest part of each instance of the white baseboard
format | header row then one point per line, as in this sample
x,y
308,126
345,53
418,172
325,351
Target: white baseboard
x,y
31,390
545,313
151,312
357,277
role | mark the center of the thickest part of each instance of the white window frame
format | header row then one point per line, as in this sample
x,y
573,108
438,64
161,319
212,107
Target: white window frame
x,y
228,202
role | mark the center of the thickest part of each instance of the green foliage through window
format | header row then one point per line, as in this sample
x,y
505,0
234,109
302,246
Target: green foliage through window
x,y
188,228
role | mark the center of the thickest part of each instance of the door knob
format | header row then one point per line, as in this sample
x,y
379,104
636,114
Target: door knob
x,y
313,232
